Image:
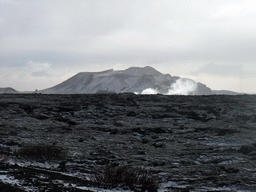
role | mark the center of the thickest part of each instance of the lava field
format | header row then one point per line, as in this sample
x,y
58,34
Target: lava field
x,y
188,143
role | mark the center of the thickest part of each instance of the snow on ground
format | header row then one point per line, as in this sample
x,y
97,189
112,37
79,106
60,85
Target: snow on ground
x,y
10,180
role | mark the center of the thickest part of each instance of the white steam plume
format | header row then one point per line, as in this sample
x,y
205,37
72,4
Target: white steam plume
x,y
180,87
149,91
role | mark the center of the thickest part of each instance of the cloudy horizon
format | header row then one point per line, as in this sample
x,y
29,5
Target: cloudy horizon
x,y
43,43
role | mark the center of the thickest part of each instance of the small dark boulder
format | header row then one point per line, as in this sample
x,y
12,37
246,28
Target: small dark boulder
x,y
138,130
102,162
118,124
223,132
144,140
131,114
158,145
157,130
245,149
113,131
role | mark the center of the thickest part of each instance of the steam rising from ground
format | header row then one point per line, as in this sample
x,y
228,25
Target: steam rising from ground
x,y
180,87
149,91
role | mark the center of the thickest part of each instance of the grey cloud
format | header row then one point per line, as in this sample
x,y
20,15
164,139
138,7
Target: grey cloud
x,y
239,48
62,59
100,17
55,58
92,18
96,18
21,18
40,74
216,69
74,34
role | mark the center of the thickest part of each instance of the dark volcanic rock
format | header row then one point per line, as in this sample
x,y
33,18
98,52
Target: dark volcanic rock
x,y
192,143
245,149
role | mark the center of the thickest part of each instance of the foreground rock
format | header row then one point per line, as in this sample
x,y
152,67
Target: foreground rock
x,y
192,143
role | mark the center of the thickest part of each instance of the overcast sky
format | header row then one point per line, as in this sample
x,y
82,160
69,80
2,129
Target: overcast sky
x,y
44,42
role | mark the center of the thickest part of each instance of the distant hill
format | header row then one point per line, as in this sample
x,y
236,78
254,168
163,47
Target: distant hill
x,y
7,90
224,92
144,80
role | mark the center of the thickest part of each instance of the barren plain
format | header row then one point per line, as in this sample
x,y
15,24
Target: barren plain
x,y
192,143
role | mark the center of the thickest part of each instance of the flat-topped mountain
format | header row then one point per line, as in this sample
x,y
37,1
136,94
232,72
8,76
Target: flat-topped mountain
x,y
144,80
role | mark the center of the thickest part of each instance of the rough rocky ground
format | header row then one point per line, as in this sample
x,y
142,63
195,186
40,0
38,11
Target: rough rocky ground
x,y
193,143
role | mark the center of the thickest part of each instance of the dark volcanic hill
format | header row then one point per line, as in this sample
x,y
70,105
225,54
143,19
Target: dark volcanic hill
x,y
8,90
140,80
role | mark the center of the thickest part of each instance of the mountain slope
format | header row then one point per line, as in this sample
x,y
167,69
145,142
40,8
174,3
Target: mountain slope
x,y
8,90
225,92
134,79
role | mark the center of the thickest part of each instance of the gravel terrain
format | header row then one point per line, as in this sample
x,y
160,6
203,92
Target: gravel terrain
x,y
190,143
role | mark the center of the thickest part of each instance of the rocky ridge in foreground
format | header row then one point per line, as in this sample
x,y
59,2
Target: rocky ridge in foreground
x,y
192,143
